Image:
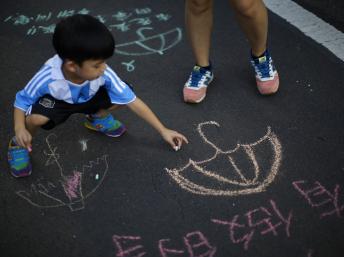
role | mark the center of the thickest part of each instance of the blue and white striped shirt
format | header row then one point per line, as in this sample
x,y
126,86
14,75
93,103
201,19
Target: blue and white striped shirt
x,y
50,80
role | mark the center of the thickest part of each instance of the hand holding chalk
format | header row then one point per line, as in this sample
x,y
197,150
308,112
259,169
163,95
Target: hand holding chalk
x,y
174,138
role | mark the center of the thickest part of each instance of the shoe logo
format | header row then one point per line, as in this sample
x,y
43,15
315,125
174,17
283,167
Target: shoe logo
x,y
262,59
196,68
47,103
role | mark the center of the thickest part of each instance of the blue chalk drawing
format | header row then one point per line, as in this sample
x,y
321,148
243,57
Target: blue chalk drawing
x,y
141,46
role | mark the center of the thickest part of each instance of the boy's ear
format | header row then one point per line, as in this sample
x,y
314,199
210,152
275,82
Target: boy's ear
x,y
71,66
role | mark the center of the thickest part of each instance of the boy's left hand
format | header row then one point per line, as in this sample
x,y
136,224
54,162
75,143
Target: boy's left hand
x,y
174,138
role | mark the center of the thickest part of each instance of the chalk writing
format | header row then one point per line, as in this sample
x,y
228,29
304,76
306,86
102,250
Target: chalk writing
x,y
138,20
320,198
69,190
257,220
129,65
236,180
195,245
124,248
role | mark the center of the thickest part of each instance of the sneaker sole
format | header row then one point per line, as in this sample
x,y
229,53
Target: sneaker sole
x,y
22,175
268,87
189,94
109,135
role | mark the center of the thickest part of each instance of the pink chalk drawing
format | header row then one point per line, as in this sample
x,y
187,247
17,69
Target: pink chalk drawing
x,y
242,175
69,190
260,220
310,253
196,244
127,246
319,197
72,185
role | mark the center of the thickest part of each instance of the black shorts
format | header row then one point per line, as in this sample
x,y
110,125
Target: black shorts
x,y
59,111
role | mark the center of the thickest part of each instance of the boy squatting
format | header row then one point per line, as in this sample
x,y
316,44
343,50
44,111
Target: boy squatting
x,y
76,80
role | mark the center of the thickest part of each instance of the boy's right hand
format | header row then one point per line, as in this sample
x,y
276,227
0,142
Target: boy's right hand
x,y
24,138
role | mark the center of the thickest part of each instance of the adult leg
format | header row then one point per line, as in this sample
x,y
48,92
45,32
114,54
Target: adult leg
x,y
199,24
253,19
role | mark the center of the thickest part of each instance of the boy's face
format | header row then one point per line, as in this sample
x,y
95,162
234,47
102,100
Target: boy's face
x,y
90,69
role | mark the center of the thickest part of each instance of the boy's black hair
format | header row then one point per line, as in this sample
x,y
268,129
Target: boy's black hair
x,y
83,37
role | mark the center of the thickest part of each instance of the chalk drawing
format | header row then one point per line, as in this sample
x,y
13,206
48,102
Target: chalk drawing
x,y
310,253
195,244
256,220
129,65
139,20
83,143
123,250
236,180
69,189
141,46
320,198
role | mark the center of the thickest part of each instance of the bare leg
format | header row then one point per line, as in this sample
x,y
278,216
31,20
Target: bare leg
x,y
199,23
104,112
253,19
35,121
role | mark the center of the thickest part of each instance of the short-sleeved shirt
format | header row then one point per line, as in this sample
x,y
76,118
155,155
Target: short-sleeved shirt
x,y
49,80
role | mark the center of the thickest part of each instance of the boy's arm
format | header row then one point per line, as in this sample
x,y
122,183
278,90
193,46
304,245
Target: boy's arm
x,y
23,136
174,138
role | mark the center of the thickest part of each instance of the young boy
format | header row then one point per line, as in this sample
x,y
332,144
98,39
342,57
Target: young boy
x,y
76,80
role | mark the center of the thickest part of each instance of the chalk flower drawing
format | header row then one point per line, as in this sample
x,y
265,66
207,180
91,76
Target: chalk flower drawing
x,y
250,168
70,189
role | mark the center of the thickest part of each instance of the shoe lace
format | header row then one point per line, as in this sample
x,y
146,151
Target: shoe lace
x,y
264,69
195,78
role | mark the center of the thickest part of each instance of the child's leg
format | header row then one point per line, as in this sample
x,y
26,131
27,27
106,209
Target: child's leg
x,y
253,19
35,121
104,112
199,23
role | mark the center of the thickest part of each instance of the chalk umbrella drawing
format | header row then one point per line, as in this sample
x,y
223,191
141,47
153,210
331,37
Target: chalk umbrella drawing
x,y
156,44
70,189
246,169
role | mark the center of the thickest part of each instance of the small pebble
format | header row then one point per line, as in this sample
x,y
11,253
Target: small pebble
x,y
176,148
97,176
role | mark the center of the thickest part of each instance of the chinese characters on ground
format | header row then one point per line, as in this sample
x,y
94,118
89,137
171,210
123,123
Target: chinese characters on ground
x,y
242,228
325,201
121,21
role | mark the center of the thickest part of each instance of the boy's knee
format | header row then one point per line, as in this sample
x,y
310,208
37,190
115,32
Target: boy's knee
x,y
199,6
36,120
246,7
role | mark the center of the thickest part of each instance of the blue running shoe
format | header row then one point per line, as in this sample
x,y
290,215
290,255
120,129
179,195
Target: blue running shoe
x,y
195,88
106,125
19,160
267,78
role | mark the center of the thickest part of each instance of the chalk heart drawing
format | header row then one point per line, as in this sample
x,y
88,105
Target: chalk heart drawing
x,y
67,189
156,44
246,169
